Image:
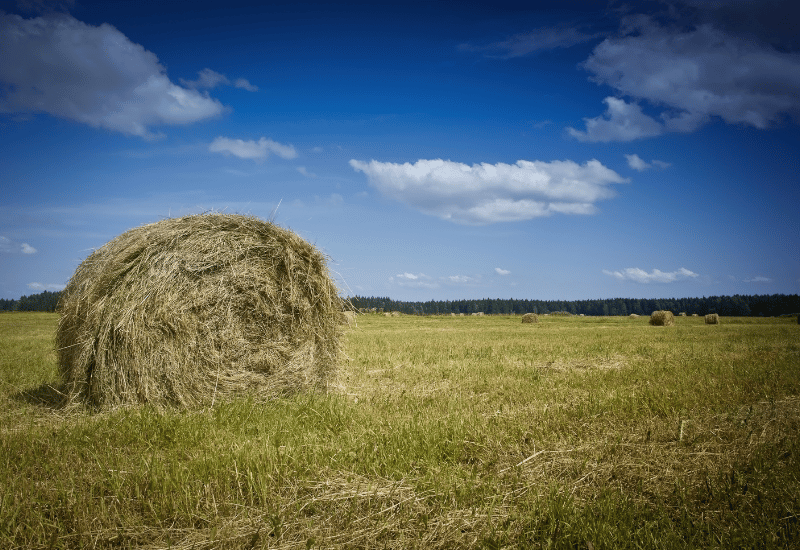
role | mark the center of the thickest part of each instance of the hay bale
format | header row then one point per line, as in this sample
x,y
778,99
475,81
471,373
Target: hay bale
x,y
188,310
349,318
662,318
712,319
530,318
695,315
634,316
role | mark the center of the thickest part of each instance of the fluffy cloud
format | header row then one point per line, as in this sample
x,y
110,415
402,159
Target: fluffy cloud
x,y
636,162
535,41
622,122
93,75
254,150
208,78
500,271
696,74
487,193
11,247
656,276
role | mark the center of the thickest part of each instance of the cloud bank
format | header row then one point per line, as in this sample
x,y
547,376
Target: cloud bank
x,y
253,150
92,75
656,276
488,193
692,76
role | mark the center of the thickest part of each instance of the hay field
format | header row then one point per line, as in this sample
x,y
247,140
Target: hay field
x,y
440,432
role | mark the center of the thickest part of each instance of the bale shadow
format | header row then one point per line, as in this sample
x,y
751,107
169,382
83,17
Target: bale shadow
x,y
46,396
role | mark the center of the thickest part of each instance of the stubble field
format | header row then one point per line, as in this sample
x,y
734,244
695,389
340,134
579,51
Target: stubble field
x,y
441,432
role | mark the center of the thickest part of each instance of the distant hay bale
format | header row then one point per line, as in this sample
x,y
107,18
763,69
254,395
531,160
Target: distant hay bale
x,y
682,314
695,315
712,319
634,316
530,318
662,318
188,310
349,318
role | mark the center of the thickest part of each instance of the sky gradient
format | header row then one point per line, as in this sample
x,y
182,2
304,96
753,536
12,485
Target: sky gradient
x,y
433,150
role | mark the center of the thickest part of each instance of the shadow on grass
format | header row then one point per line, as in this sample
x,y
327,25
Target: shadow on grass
x,y
46,396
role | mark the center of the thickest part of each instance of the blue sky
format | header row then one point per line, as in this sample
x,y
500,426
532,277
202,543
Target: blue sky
x,y
434,150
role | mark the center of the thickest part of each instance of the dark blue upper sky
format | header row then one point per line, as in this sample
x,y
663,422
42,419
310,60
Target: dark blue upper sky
x,y
435,150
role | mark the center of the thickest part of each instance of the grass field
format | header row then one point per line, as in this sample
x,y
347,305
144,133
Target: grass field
x,y
442,432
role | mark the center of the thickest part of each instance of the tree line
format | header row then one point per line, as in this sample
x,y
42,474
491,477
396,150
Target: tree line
x,y
738,305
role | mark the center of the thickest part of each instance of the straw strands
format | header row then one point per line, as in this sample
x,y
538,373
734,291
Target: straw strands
x,y
188,310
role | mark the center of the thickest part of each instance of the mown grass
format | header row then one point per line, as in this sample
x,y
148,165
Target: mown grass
x,y
441,432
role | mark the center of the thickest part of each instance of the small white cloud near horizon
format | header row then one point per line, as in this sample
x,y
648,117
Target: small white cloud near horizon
x,y
411,280
758,279
251,150
635,162
656,276
489,193
92,75
500,271
11,247
40,286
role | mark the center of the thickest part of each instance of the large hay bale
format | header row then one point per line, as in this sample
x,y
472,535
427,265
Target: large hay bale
x,y
662,318
188,310
530,318
712,319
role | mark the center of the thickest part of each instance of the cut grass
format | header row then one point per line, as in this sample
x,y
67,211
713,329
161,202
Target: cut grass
x,y
441,432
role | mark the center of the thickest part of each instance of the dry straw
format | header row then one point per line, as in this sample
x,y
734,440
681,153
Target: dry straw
x,y
191,310
712,319
530,318
662,318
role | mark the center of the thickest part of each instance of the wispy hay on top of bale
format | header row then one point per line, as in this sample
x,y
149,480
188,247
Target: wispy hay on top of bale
x,y
530,318
712,319
188,310
662,318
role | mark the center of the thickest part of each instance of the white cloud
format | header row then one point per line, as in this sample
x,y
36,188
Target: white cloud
x,y
695,75
12,247
636,162
305,172
460,279
93,75
622,122
487,193
244,84
208,78
656,276
532,42
254,150
758,279
500,271
411,280
40,286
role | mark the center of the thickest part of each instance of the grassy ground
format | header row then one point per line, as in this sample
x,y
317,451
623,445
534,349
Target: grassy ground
x,y
442,432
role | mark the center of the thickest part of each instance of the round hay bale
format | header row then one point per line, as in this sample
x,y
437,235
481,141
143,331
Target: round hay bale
x,y
530,318
634,316
188,310
662,318
712,319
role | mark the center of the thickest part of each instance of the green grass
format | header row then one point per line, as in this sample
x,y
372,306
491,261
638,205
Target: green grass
x,y
441,432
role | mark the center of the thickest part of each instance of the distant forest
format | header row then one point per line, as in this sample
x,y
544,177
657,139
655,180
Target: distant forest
x,y
771,305
767,306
